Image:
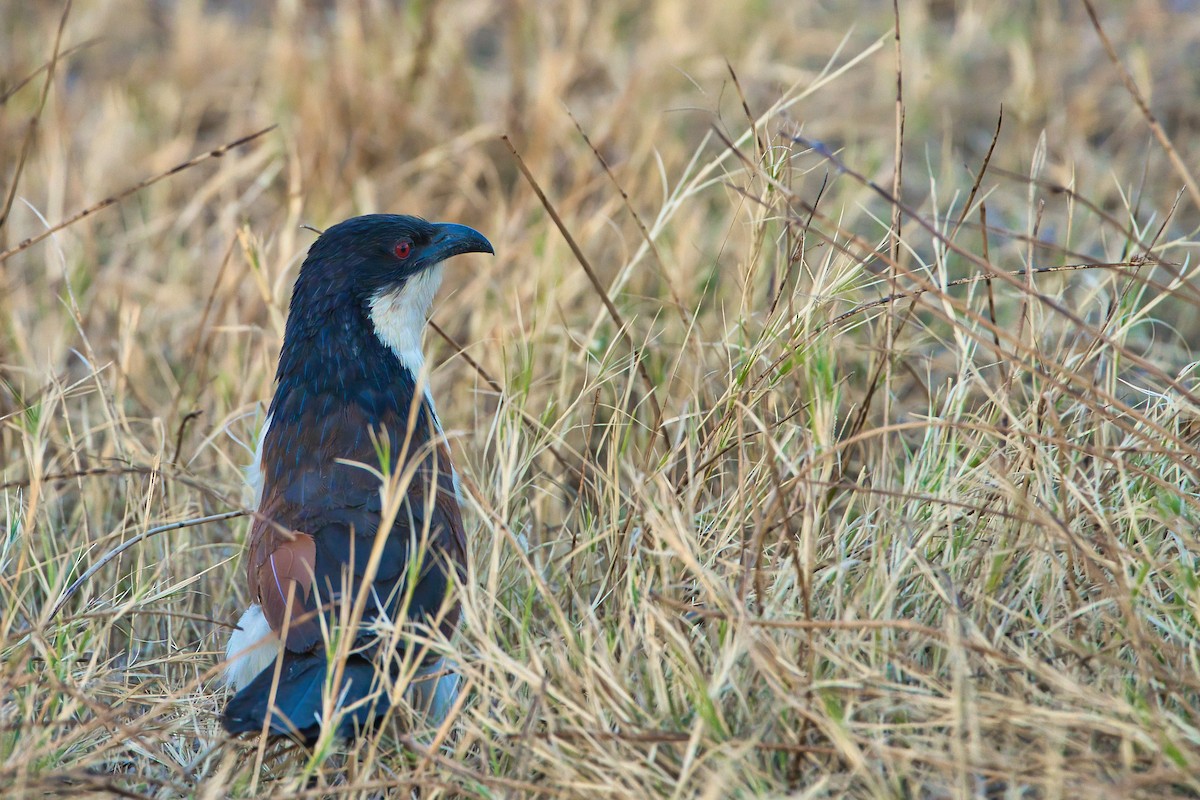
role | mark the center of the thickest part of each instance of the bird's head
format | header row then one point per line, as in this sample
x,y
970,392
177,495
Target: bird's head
x,y
387,266
380,253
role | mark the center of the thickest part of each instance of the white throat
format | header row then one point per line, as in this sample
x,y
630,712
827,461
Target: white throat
x,y
399,318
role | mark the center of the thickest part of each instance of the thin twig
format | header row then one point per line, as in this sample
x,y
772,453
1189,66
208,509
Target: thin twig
x,y
1164,141
141,537
530,422
623,329
137,187
987,159
829,625
31,130
7,94
1020,273
663,737
181,431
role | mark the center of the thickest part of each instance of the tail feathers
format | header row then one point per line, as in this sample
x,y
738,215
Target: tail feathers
x,y
297,708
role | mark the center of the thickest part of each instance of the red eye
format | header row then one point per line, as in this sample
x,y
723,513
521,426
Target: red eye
x,y
402,249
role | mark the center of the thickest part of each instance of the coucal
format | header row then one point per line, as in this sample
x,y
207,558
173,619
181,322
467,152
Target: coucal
x,y
349,407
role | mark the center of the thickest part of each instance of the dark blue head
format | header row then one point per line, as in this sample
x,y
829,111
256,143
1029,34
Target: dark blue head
x,y
378,253
360,300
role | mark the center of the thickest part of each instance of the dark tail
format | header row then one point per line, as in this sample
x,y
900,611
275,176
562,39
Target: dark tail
x,y
297,708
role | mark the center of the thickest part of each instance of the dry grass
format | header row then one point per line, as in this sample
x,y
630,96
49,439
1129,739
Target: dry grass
x,y
939,546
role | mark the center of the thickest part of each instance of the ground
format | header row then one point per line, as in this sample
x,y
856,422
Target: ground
x,y
813,444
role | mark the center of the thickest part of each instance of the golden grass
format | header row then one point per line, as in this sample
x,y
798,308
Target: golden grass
x,y
938,546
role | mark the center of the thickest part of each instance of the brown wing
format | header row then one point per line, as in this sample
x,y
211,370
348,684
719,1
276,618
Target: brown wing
x,y
319,519
277,558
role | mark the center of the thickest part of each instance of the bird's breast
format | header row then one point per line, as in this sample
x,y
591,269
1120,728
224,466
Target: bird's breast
x,y
330,445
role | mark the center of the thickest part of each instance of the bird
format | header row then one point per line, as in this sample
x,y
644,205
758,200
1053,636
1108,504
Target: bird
x,y
351,407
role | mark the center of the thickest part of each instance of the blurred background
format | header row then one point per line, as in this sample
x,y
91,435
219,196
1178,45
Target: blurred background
x,y
400,107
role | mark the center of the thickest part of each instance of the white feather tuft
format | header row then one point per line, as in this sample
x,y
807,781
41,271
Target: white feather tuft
x,y
251,649
254,473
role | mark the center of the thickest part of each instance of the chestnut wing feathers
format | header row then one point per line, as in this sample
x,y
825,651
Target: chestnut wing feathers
x,y
319,517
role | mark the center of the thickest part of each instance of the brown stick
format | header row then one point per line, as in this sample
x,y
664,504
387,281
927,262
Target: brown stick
x,y
137,187
1155,128
31,130
121,548
622,328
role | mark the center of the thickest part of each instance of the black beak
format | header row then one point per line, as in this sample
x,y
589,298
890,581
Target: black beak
x,y
450,239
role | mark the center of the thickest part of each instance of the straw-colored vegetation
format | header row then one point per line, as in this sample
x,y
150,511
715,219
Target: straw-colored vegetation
x,y
753,530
